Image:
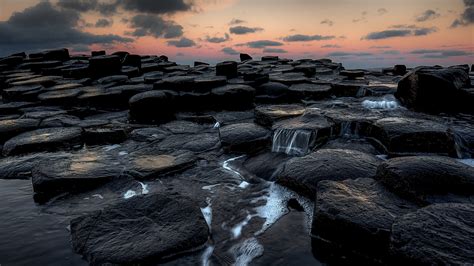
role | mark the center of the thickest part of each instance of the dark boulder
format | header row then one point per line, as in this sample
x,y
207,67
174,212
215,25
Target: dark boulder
x,y
142,230
234,97
405,136
46,139
227,68
273,92
152,106
309,91
357,215
58,54
152,163
302,174
105,65
399,70
267,115
10,128
73,174
420,176
245,57
436,90
244,137
98,53
440,234
352,74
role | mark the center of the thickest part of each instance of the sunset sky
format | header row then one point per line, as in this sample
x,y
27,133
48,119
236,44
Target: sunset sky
x,y
359,33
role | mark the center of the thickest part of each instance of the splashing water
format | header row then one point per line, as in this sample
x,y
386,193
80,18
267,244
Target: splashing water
x,y
129,194
144,188
291,141
246,251
469,162
276,205
206,255
217,125
383,104
237,229
207,212
226,165
460,145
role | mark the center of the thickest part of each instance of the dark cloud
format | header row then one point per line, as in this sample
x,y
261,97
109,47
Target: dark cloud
x,y
307,38
391,52
348,54
236,21
106,8
399,31
156,26
382,11
328,22
103,23
331,46
156,6
182,43
218,39
261,44
240,30
274,51
432,53
467,17
427,15
43,26
229,51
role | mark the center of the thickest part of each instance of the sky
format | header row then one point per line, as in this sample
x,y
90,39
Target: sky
x,y
358,33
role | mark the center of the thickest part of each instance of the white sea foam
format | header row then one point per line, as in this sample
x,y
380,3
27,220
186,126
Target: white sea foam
x,y
144,188
217,125
111,147
383,104
237,229
207,212
129,194
206,255
226,165
244,184
246,251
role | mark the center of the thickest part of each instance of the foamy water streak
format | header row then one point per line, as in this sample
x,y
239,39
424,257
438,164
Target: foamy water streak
x,y
246,251
382,104
291,141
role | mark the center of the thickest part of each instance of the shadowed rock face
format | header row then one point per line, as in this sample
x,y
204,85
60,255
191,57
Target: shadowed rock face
x,y
436,90
270,161
141,230
357,214
418,177
437,234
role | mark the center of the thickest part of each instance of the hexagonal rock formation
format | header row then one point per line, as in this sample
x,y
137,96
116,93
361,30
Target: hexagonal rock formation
x,y
72,174
302,174
357,215
141,230
436,90
440,234
412,136
244,137
420,176
45,139
267,115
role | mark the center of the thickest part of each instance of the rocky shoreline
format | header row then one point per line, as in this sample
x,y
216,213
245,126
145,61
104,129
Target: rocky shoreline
x,y
154,162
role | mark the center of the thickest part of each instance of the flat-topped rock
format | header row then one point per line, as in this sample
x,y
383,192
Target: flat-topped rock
x,y
150,164
310,91
10,128
141,230
152,106
234,97
402,135
357,215
269,114
46,139
244,137
227,69
105,65
439,234
352,74
436,90
416,177
302,174
73,174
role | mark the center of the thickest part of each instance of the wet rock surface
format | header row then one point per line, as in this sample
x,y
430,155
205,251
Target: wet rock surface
x,y
437,234
266,162
141,230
